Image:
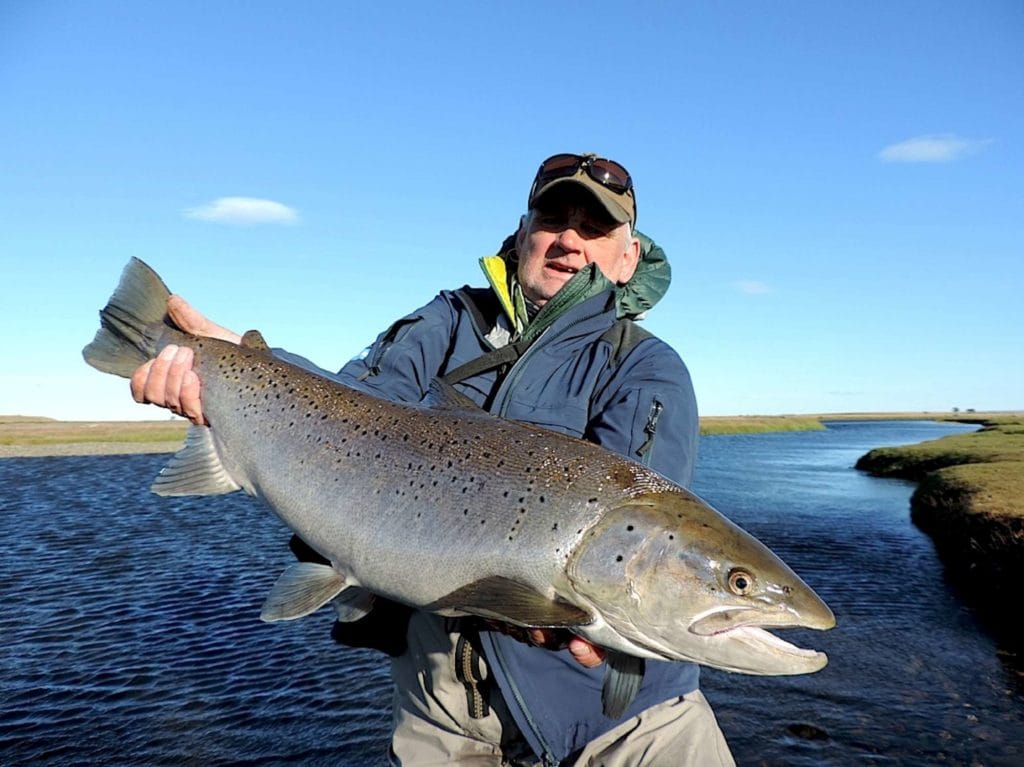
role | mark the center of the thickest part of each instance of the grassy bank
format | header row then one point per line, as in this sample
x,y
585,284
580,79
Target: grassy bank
x,y
32,436
21,435
970,500
749,424
761,424
25,436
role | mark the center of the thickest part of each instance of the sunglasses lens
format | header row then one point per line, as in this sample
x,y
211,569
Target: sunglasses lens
x,y
557,166
608,173
611,174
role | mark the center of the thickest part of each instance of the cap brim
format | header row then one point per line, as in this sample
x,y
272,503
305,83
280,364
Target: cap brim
x,y
608,200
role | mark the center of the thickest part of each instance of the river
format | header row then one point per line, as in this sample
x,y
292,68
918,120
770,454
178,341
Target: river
x,y
130,630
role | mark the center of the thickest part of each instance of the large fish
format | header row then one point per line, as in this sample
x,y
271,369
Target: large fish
x,y
445,507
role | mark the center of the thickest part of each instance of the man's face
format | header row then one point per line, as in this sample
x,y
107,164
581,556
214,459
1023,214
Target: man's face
x,y
565,232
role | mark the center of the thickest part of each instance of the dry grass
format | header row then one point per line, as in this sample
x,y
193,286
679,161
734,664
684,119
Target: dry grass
x,y
750,424
23,436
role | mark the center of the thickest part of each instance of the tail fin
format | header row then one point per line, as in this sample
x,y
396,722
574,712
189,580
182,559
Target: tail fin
x,y
131,323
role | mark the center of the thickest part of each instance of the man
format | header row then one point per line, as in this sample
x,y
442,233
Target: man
x,y
552,343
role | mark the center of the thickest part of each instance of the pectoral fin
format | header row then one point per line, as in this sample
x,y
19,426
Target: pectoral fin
x,y
302,589
513,602
621,683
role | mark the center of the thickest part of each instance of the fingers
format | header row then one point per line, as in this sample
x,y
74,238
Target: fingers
x,y
191,403
586,654
550,639
176,362
169,381
191,320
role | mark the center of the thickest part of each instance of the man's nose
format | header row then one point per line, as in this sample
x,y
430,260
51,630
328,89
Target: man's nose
x,y
569,239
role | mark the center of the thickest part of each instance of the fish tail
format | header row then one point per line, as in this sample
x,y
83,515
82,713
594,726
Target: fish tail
x,y
131,323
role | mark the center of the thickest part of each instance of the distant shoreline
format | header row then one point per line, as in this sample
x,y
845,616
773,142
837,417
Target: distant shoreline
x,y
28,436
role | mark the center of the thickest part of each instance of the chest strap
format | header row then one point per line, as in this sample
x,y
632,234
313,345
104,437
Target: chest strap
x,y
502,359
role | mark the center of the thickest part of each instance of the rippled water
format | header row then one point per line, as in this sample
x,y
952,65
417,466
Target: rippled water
x,y
130,630
131,633
912,678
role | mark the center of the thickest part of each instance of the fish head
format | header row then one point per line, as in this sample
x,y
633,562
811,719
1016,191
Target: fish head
x,y
674,578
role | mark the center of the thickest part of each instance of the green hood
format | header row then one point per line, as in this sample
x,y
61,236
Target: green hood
x,y
650,282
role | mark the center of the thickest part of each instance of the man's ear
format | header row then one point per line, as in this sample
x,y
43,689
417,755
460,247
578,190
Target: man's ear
x,y
521,232
631,260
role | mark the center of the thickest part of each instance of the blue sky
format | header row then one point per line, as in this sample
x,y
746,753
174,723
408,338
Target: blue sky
x,y
839,186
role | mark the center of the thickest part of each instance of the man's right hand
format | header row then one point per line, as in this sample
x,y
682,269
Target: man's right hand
x,y
169,380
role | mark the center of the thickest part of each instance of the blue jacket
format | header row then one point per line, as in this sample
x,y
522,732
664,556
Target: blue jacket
x,y
641,406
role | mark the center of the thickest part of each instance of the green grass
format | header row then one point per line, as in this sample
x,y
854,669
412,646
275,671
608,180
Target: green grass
x,y
999,441
970,500
758,424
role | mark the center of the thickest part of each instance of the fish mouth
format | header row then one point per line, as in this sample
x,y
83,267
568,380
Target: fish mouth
x,y
757,651
730,618
787,658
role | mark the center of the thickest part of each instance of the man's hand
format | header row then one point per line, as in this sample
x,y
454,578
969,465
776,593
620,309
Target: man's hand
x,y
586,654
169,380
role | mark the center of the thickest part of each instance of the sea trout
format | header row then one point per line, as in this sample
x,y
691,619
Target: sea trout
x,y
447,508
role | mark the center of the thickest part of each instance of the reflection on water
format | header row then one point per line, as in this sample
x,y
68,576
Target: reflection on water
x,y
131,634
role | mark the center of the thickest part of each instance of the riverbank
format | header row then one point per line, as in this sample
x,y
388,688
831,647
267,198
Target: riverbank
x,y
969,500
29,436
26,436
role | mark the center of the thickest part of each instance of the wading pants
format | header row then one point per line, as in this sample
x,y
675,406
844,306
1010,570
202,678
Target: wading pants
x,y
433,727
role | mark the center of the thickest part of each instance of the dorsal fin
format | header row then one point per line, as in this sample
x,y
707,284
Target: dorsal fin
x,y
253,339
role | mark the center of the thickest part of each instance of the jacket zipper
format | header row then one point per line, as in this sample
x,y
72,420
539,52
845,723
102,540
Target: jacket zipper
x,y
646,450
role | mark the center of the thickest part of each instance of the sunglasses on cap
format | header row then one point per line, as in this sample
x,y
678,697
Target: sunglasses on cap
x,y
607,173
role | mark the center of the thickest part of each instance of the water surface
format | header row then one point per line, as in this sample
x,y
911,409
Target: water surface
x,y
131,633
912,679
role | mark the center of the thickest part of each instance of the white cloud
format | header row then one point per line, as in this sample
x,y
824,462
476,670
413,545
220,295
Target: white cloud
x,y
752,287
935,148
244,210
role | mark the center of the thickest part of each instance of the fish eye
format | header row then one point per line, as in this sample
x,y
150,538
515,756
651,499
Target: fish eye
x,y
741,582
